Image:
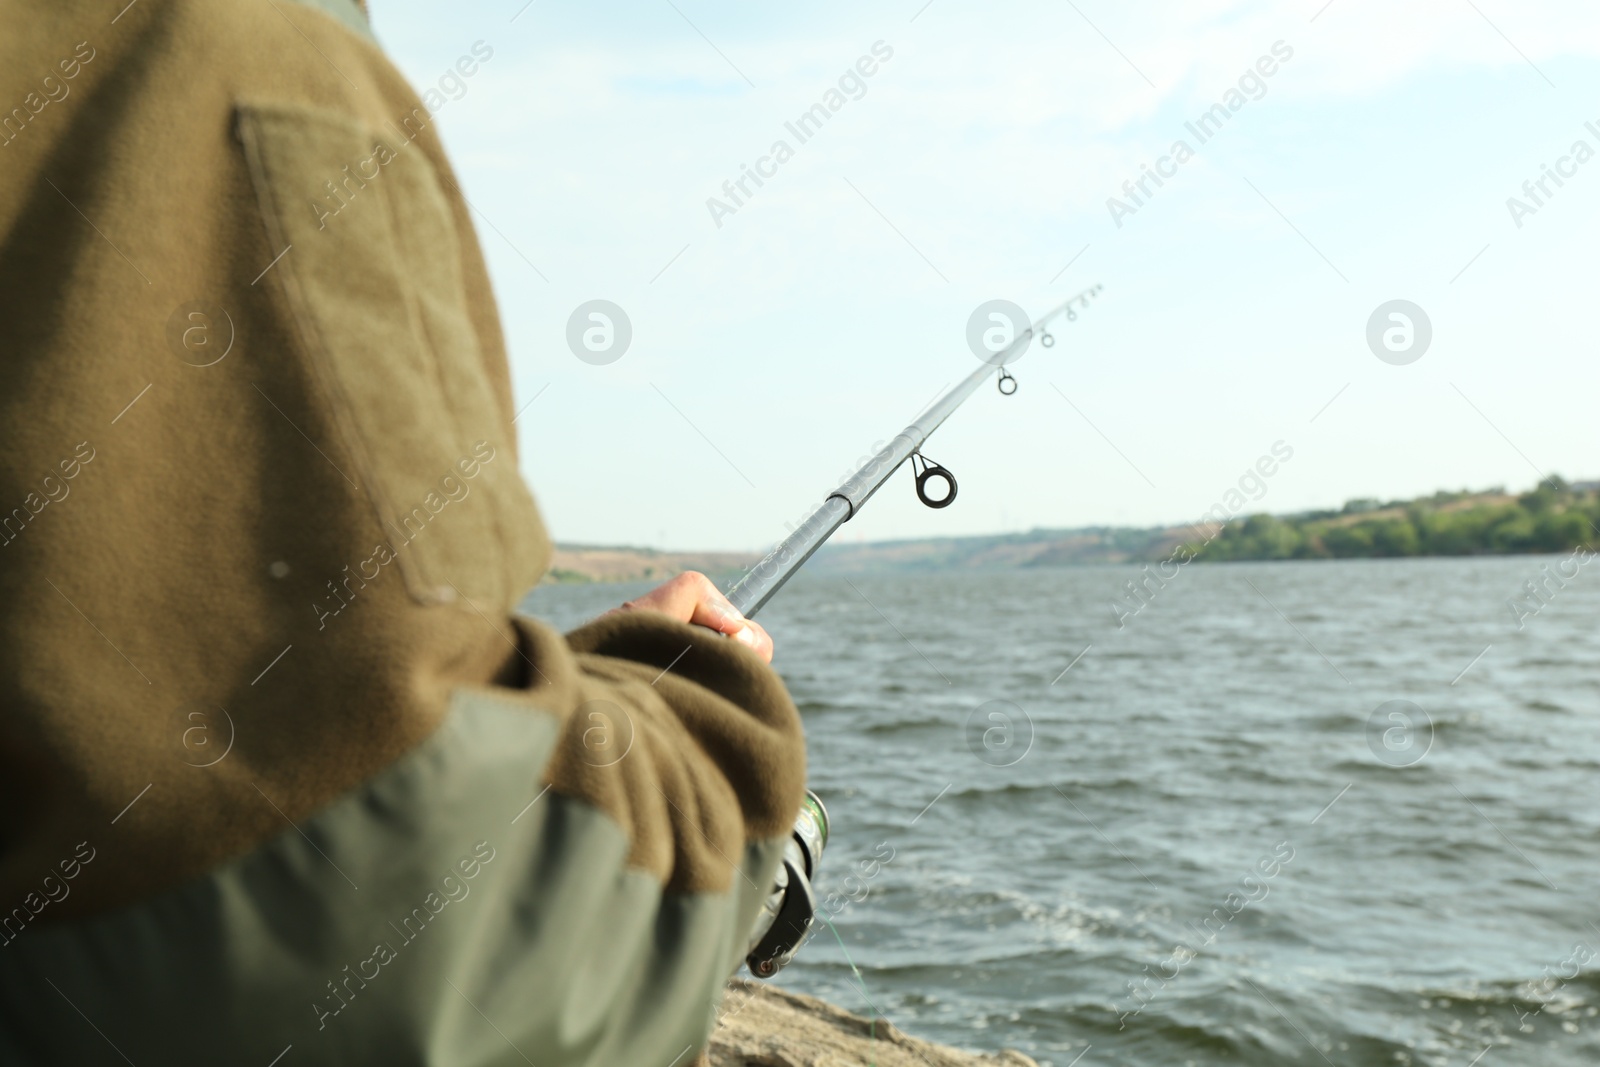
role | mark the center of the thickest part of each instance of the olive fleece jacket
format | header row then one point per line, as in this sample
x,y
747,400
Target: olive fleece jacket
x,y
261,536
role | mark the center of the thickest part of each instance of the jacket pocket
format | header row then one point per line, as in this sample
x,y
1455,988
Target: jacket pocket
x,y
371,270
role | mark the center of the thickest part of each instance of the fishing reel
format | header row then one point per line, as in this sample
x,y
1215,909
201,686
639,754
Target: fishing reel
x,y
790,910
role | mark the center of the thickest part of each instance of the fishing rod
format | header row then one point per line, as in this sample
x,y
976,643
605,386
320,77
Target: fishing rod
x,y
759,584
789,911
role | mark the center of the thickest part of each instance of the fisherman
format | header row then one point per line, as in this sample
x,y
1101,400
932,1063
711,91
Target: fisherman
x,y
283,777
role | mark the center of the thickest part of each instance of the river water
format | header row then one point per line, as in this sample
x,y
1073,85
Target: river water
x,y
1335,812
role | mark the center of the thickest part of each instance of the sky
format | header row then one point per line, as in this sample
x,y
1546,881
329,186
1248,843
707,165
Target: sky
x,y
777,340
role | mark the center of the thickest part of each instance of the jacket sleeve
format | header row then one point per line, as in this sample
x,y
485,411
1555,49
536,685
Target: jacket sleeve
x,y
563,874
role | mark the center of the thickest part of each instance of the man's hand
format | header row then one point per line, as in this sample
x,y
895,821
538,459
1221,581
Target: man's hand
x,y
691,598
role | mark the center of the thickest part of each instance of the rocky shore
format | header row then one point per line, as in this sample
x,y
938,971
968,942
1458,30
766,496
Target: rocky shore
x,y
764,1026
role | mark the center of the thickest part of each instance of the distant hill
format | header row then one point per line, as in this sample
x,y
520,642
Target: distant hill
x,y
1036,548
1552,517
597,563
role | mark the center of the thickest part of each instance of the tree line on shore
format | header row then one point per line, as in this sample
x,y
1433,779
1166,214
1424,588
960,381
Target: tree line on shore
x,y
1555,516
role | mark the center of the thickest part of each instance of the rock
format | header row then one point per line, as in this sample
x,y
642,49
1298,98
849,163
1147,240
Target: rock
x,y
763,1026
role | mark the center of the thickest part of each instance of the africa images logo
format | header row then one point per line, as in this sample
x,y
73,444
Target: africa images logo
x,y
1251,85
